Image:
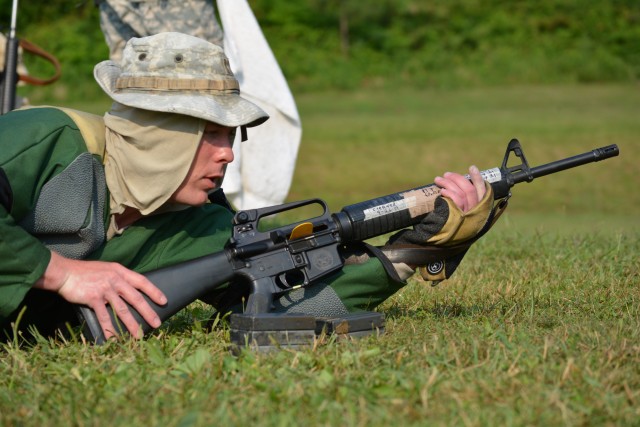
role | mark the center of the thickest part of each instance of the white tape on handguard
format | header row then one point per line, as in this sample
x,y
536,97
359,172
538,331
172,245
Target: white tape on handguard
x,y
489,175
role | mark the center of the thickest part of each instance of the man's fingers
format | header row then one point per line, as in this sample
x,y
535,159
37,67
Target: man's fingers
x,y
122,305
95,284
130,296
143,284
465,188
478,182
125,316
140,304
126,301
458,199
450,190
465,193
104,319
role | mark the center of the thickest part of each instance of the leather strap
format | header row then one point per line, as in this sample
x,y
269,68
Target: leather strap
x,y
38,51
422,255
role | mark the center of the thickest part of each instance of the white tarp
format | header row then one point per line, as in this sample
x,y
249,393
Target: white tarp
x,y
263,168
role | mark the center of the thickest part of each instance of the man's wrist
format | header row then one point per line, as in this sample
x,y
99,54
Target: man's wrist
x,y
53,276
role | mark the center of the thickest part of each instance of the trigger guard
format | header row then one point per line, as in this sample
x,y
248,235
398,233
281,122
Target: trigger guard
x,y
282,281
284,284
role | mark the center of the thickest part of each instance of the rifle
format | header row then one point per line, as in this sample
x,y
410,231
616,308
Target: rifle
x,y
295,255
10,73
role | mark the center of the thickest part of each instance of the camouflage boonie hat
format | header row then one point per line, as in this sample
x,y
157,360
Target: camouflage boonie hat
x,y
181,74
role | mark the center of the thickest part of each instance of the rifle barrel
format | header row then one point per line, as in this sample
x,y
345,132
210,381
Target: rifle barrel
x,y
384,214
595,155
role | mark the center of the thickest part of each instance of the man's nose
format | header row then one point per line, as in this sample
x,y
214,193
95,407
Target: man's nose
x,y
225,153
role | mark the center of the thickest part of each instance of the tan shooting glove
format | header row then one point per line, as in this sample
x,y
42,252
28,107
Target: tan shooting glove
x,y
439,242
462,226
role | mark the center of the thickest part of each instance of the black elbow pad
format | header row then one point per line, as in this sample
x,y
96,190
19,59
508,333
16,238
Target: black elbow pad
x,y
6,195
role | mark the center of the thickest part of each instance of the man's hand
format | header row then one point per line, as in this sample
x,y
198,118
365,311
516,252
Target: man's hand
x,y
464,193
97,283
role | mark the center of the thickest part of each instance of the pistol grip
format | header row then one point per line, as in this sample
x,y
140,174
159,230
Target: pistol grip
x,y
261,297
259,303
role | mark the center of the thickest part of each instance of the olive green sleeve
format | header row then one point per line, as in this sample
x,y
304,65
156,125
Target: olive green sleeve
x,y
35,145
24,260
364,286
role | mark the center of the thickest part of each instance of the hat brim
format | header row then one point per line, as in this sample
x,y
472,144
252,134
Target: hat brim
x,y
226,110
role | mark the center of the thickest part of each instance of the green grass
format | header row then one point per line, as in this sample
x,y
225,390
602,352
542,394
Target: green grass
x,y
538,330
540,325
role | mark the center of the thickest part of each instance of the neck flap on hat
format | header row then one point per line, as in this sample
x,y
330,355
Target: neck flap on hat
x,y
148,155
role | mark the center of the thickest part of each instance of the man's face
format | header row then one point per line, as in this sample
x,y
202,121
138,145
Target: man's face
x,y
208,167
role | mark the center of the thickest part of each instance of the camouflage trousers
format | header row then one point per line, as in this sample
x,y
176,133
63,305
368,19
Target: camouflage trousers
x,y
121,20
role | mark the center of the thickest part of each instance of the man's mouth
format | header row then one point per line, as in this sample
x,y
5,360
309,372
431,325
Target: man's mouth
x,y
216,181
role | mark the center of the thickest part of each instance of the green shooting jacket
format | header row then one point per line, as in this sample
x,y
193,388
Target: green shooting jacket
x,y
30,156
51,194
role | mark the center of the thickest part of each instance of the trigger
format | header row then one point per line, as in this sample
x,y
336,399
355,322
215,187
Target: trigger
x,y
301,230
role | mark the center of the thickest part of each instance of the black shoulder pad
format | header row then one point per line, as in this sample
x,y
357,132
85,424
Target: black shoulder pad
x,y
6,195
